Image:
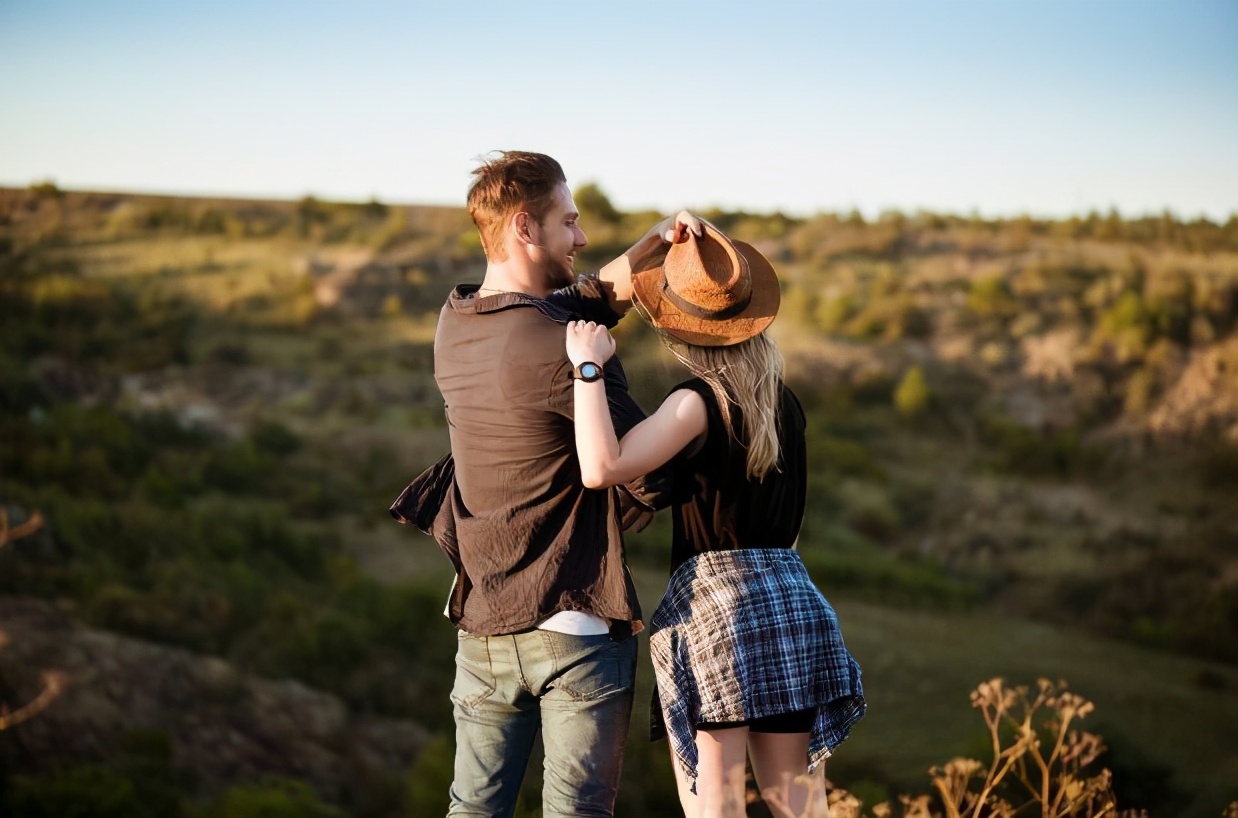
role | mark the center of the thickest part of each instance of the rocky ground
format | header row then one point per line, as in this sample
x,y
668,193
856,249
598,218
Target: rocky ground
x,y
223,725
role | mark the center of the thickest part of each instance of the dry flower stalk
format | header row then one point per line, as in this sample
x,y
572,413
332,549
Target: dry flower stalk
x,y
53,682
32,524
1040,757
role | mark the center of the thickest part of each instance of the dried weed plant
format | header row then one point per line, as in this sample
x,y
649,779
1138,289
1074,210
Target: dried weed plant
x,y
8,534
1042,764
53,682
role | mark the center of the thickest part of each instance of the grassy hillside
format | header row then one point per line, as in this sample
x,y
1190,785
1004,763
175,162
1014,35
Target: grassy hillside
x,y
1023,444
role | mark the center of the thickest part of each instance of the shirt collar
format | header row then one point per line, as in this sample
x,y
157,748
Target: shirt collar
x,y
465,300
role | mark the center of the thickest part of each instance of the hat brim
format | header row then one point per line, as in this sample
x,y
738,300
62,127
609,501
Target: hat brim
x,y
648,285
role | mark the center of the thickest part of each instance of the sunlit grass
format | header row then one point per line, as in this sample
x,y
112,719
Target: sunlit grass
x,y
1029,478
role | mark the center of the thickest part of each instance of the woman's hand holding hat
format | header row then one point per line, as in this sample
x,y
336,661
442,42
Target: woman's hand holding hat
x,y
676,231
589,342
648,251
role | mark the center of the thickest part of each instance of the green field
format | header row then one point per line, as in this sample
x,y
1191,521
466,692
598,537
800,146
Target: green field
x,y
1023,451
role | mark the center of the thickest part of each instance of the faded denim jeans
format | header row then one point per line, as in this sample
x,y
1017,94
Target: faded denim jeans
x,y
577,690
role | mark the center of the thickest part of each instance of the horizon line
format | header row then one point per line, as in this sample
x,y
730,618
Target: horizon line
x,y
879,213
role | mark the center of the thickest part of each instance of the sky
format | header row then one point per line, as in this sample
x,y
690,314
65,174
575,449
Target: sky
x,y
1000,107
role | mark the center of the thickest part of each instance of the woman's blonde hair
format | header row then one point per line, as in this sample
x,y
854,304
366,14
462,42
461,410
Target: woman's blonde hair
x,y
747,375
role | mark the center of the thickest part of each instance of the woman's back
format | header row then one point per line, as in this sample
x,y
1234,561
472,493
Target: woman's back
x,y
747,652
716,506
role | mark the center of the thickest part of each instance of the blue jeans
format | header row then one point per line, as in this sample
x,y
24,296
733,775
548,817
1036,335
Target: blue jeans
x,y
577,690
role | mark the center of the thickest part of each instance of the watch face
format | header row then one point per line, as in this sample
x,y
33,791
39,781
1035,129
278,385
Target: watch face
x,y
590,372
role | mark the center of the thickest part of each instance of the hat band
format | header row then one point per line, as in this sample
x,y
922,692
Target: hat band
x,y
700,312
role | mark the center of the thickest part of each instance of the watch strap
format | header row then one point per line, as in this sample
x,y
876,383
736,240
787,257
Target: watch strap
x,y
578,375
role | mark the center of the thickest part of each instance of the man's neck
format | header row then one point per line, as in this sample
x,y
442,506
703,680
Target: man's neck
x,y
511,278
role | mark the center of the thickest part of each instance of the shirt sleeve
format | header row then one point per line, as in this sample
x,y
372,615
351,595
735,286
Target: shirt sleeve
x,y
625,412
422,499
587,301
647,493
640,498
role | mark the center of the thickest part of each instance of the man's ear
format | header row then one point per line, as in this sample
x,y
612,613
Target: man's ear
x,y
520,227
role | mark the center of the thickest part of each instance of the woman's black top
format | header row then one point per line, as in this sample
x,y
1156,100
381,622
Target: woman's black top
x,y
716,506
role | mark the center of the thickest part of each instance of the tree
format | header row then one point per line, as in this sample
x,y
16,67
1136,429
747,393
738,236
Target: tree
x,y
590,199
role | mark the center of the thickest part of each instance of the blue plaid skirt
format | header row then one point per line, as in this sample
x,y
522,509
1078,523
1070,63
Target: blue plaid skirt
x,y
745,634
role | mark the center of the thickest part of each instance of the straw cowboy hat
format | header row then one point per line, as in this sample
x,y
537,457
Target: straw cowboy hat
x,y
709,291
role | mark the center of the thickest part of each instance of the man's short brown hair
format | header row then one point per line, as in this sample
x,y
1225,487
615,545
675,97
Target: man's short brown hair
x,y
514,181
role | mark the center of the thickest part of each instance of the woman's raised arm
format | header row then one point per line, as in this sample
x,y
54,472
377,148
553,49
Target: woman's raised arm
x,y
604,460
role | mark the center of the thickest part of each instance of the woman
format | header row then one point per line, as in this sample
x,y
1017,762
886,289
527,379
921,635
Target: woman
x,y
747,653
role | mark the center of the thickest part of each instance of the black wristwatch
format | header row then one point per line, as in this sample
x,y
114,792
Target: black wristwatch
x,y
587,372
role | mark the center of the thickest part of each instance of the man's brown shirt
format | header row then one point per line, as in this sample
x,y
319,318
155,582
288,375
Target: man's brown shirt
x,y
529,539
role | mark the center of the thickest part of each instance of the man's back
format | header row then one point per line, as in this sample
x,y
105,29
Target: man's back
x,y
500,374
532,540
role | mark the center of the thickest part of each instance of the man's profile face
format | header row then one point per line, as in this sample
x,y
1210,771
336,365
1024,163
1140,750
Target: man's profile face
x,y
557,239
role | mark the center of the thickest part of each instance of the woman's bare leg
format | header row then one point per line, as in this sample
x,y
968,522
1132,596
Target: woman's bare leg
x,y
687,799
780,764
721,775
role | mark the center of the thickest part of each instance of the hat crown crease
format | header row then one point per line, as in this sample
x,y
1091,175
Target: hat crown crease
x,y
708,277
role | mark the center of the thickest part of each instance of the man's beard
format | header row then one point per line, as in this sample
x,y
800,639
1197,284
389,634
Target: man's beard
x,y
560,275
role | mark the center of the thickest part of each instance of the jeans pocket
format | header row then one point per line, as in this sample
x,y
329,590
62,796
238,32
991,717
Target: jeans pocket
x,y
598,670
474,677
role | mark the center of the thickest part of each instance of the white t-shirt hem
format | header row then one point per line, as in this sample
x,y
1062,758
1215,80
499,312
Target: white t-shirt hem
x,y
575,623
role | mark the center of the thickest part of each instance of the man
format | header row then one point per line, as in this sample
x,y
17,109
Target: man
x,y
543,599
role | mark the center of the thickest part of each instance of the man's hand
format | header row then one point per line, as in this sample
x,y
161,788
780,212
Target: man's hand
x,y
587,341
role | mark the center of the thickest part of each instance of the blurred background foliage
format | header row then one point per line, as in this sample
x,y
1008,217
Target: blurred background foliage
x,y
1023,444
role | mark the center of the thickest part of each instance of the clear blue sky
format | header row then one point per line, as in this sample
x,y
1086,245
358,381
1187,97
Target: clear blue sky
x,y
1004,106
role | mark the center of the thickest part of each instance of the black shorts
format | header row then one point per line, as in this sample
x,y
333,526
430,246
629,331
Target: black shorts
x,y
797,721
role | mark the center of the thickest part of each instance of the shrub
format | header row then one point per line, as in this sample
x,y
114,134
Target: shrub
x,y
1140,391
273,798
869,510
1126,327
912,395
429,778
991,295
46,189
135,217
833,313
230,354
1219,466
273,437
238,468
392,307
846,563
19,392
1016,449
838,455
92,791
172,488
392,231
